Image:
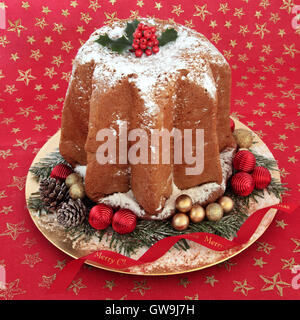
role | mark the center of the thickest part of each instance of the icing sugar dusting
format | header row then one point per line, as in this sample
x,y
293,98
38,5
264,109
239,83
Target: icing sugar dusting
x,y
186,53
198,194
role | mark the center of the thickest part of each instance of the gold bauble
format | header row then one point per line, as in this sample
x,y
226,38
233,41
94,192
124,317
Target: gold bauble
x,y
77,191
214,212
243,138
197,214
183,203
72,179
180,221
226,203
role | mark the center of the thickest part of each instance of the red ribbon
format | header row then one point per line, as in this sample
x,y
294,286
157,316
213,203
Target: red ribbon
x,y
118,261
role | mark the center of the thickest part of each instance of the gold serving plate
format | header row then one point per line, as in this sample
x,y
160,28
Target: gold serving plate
x,y
160,267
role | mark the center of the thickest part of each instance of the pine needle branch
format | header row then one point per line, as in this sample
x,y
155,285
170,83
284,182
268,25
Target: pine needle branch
x,y
149,232
43,168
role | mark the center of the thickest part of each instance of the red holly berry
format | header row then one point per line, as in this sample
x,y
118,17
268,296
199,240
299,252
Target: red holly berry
x,y
148,52
262,177
150,44
147,34
137,34
135,46
155,42
242,184
145,38
143,41
124,221
155,49
61,171
244,161
138,53
100,216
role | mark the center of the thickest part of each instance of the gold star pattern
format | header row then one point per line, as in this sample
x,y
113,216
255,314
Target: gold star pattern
x,y
18,182
109,284
76,286
265,247
140,287
158,5
184,282
74,4
259,262
242,287
261,30
6,210
297,242
224,8
25,5
25,76
211,280
41,23
281,224
3,41
47,281
287,5
195,297
177,10
14,56
13,230
46,10
201,12
32,259
290,50
11,290
288,264
94,5
16,27
30,39
274,283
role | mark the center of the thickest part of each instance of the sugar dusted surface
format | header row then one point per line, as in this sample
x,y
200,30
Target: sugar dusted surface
x,y
199,194
186,53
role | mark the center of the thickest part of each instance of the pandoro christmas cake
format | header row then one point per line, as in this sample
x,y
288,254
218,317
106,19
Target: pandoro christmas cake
x,y
130,80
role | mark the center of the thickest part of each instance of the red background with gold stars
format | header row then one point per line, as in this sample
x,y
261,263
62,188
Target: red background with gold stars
x,y
36,51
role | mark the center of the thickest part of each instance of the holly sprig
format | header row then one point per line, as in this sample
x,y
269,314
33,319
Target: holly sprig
x,y
125,42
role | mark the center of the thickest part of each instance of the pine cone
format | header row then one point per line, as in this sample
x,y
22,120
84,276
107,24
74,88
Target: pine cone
x,y
71,213
53,193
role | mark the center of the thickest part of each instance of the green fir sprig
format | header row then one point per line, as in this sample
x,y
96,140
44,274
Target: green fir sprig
x,y
149,232
43,168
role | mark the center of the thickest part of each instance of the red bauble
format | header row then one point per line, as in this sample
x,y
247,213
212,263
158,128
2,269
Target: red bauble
x,y
100,216
262,177
61,171
242,184
244,161
232,125
124,221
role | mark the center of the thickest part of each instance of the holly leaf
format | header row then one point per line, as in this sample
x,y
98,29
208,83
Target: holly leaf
x,y
103,40
167,36
120,44
117,45
130,29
